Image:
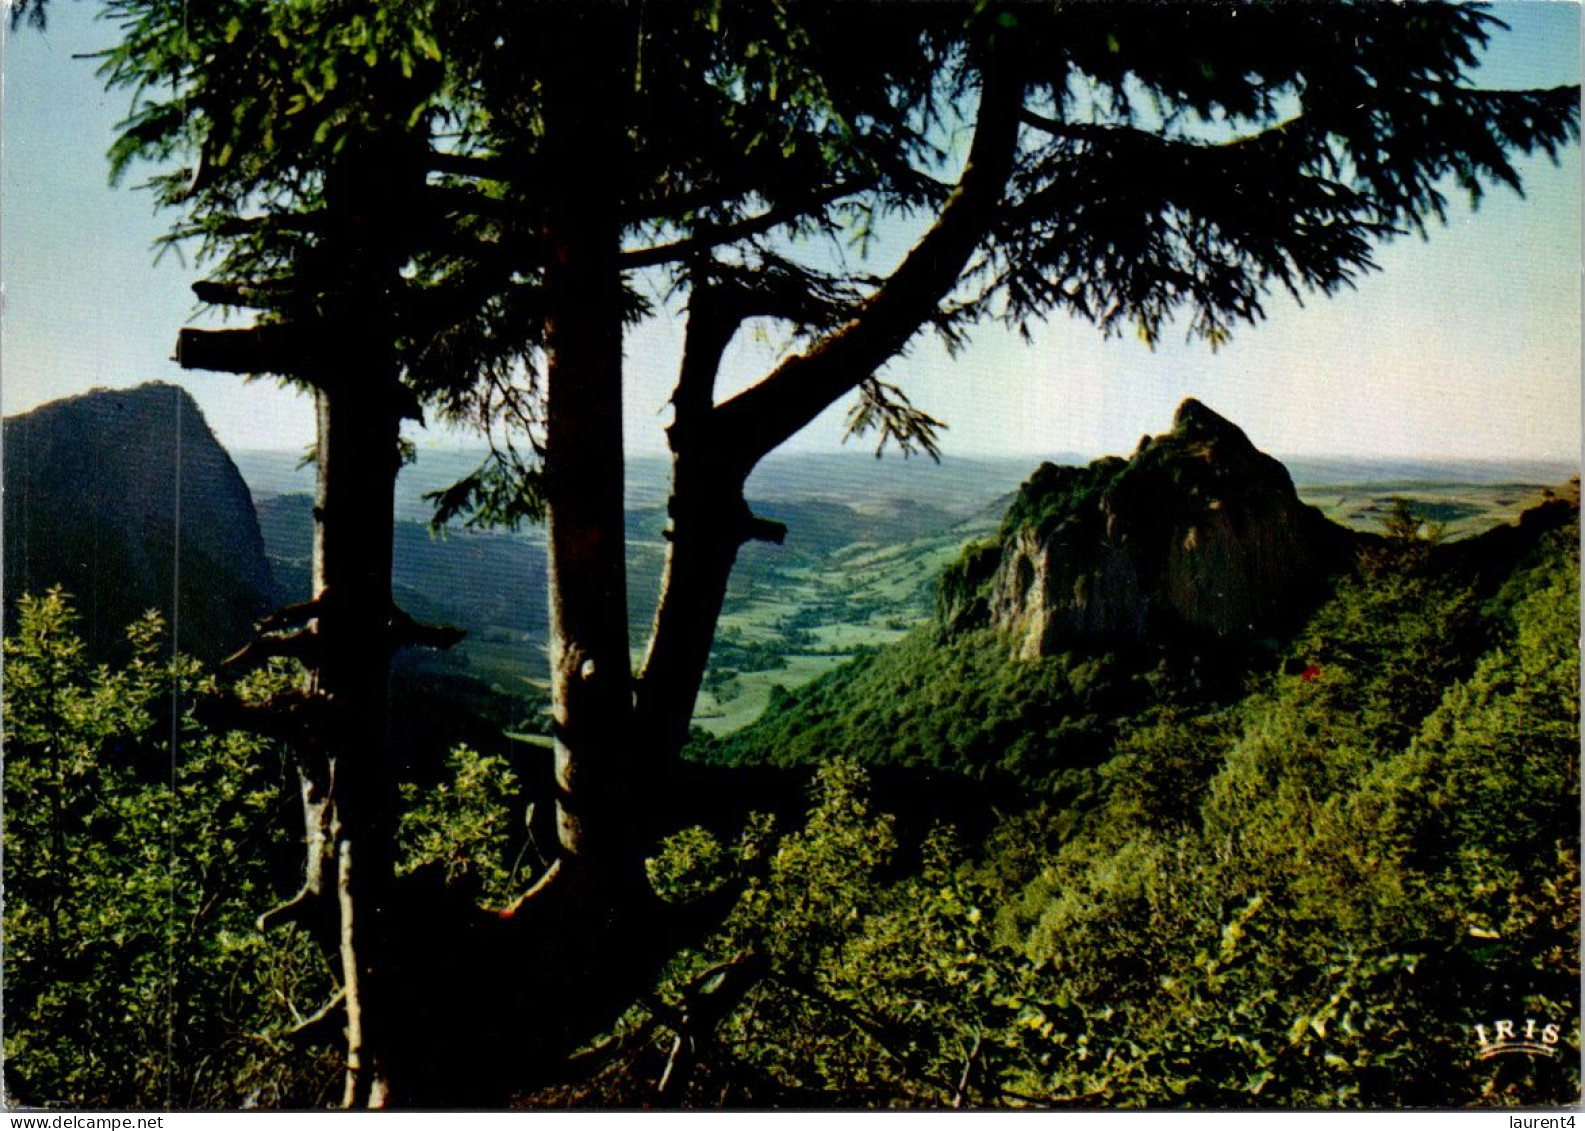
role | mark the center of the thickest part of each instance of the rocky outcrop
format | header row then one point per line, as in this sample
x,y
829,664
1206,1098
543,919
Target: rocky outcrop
x,y
1197,535
126,499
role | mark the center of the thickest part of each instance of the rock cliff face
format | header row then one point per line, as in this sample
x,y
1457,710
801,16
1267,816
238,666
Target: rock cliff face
x,y
1197,535
126,499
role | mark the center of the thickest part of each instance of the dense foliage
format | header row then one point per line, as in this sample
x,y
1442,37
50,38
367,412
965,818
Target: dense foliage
x,y
1311,897
957,703
139,849
958,706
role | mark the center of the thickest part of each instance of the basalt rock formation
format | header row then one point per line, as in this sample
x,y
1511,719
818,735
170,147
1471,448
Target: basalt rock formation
x,y
1197,536
126,500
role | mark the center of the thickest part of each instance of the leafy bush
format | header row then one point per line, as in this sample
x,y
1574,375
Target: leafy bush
x,y
139,849
463,826
1384,854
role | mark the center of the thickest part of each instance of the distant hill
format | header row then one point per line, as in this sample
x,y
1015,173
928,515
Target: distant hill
x,y
126,499
491,584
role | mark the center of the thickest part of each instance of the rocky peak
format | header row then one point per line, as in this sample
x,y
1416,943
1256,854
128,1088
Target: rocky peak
x,y
125,498
1194,422
1198,534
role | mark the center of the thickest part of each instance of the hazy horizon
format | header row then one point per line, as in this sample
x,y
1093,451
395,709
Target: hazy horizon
x,y
274,471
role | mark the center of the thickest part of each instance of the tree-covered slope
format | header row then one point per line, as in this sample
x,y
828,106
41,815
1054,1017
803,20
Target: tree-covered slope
x,y
1325,894
1116,593
965,706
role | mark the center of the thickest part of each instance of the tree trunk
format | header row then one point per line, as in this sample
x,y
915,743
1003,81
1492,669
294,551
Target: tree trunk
x,y
349,787
582,942
591,930
717,446
591,669
357,461
699,563
709,521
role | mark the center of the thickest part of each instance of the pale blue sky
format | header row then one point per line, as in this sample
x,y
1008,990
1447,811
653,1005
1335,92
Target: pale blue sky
x,y
1465,345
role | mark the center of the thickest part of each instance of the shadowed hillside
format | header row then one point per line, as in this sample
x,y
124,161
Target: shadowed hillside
x,y
125,499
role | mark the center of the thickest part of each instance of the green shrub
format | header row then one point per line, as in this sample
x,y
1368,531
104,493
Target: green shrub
x,y
139,850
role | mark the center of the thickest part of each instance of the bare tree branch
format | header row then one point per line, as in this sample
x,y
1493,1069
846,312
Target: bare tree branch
x,y
762,417
712,236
